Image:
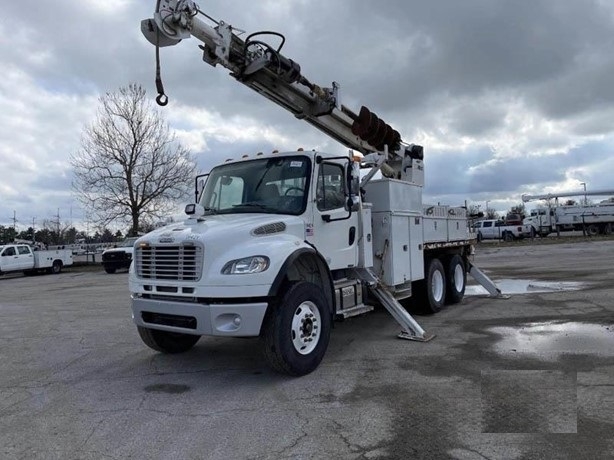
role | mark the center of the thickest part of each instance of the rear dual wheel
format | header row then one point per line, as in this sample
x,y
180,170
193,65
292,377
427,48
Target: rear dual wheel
x,y
435,285
443,284
456,279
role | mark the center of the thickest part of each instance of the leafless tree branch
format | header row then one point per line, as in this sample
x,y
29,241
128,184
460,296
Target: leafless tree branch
x,y
130,167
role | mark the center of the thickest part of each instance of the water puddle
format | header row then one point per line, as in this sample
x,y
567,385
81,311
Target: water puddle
x,y
515,286
550,340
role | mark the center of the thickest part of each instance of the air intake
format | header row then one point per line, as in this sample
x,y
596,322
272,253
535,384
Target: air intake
x,y
269,229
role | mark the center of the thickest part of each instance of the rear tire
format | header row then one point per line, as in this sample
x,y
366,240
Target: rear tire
x,y
56,268
507,236
456,279
592,230
109,270
296,330
435,286
167,342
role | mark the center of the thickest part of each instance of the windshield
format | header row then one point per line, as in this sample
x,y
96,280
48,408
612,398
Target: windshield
x,y
273,186
128,242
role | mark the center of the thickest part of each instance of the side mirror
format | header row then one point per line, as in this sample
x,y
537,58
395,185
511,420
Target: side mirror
x,y
194,210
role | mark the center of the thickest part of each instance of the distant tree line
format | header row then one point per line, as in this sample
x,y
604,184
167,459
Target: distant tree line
x,y
52,237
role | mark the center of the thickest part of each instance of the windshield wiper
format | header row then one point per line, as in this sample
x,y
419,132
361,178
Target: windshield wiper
x,y
252,204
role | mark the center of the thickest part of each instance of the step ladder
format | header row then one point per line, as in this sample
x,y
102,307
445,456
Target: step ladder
x,y
410,329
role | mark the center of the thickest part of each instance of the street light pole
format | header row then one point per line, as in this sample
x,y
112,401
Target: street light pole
x,y
583,222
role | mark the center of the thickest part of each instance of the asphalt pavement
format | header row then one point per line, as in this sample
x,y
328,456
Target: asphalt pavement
x,y
529,377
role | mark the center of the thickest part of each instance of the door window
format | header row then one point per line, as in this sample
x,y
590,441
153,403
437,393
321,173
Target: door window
x,y
329,190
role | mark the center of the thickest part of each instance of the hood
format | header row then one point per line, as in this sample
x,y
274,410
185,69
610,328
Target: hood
x,y
129,249
222,227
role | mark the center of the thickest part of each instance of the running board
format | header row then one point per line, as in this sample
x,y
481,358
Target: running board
x,y
410,329
486,282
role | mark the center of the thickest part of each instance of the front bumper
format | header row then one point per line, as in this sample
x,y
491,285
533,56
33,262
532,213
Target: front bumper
x,y
229,320
116,264
116,260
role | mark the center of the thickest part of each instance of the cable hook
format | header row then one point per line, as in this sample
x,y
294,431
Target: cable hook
x,y
162,98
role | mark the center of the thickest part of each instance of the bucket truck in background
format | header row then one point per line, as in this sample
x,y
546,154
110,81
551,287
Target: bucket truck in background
x,y
594,219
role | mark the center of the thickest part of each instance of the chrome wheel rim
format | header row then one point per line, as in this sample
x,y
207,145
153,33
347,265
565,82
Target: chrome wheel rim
x,y
437,286
306,327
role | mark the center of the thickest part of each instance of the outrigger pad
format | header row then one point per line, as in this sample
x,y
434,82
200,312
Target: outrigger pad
x,y
407,336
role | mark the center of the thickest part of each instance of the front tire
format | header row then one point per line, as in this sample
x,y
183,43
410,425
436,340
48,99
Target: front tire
x,y
167,342
296,330
456,279
109,270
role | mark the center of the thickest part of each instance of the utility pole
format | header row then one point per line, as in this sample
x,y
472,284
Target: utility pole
x,y
584,204
58,223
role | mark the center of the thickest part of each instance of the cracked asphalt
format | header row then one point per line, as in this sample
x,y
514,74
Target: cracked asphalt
x,y
530,377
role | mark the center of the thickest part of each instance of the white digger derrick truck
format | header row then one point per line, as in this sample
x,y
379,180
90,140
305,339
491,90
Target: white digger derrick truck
x,y
279,245
594,219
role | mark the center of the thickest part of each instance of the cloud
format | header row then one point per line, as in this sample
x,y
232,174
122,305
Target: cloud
x,y
507,97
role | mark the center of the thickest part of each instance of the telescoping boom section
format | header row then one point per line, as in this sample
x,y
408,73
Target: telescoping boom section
x,y
263,68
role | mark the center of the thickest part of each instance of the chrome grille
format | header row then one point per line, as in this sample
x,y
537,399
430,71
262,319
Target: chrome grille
x,y
180,263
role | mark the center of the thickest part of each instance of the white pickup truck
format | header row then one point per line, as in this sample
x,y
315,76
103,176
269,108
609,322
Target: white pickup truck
x,y
21,257
492,229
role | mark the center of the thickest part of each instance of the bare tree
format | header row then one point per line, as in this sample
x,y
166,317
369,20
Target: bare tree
x,y
130,167
491,213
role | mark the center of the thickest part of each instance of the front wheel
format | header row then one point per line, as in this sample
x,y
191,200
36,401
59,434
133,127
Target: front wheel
x,y
456,278
109,270
297,330
167,342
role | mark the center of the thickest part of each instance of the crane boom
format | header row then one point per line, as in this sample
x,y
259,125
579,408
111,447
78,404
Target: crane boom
x,y
550,196
261,67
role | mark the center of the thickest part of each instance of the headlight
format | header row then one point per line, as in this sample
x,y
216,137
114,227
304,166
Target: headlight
x,y
248,265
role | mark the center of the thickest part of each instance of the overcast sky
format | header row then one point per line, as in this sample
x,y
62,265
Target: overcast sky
x,y
507,97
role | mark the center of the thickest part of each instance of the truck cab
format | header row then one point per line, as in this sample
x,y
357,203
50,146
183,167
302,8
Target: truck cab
x,y
276,227
15,258
119,257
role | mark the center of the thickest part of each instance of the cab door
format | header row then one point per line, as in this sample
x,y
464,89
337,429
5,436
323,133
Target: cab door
x,y
335,228
25,258
8,259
